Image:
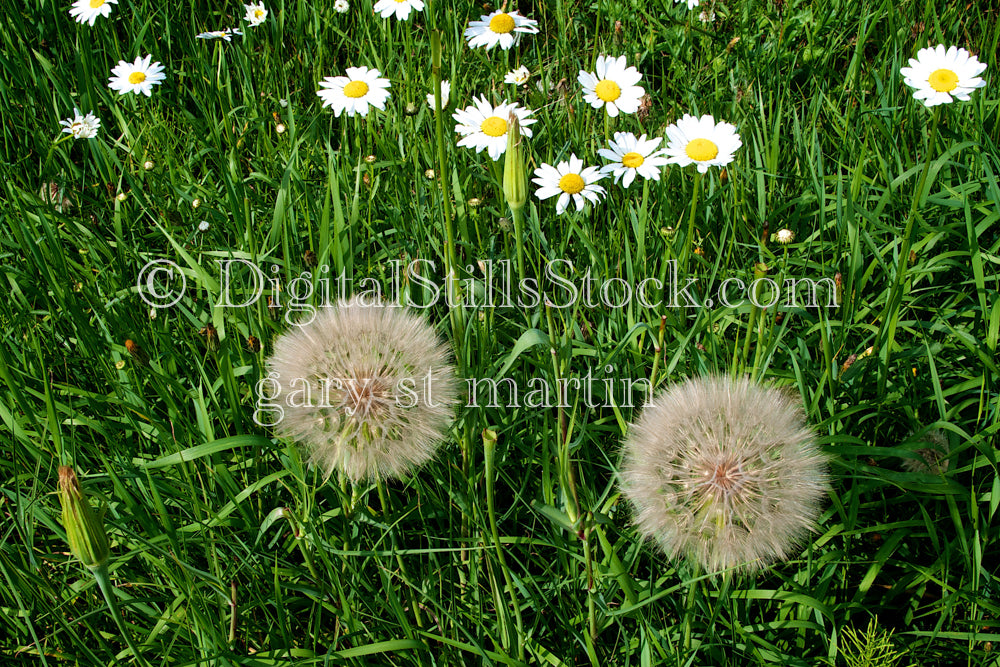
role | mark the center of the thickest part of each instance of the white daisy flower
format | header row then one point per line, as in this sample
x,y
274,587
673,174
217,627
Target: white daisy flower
x,y
136,77
940,75
612,86
401,8
87,11
484,126
569,180
702,141
445,95
341,6
80,126
500,27
361,88
518,77
256,14
226,34
690,3
630,156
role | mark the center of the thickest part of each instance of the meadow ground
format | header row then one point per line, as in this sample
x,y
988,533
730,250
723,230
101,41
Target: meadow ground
x,y
514,545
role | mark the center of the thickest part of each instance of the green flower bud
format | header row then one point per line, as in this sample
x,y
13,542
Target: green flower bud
x,y
84,528
515,177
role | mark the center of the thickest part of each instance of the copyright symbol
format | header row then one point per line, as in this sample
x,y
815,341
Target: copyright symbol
x,y
157,283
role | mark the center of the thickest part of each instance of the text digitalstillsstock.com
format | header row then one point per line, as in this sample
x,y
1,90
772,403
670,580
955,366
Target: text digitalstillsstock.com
x,y
242,284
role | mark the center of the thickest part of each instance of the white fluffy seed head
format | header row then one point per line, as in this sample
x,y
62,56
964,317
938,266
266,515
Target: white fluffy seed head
x,y
368,390
724,472
933,449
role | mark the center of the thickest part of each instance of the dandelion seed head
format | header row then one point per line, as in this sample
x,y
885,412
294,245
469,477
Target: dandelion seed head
x,y
367,389
724,473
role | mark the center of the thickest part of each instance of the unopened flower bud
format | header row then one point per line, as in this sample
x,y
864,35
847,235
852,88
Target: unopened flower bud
x,y
148,165
84,528
280,128
515,177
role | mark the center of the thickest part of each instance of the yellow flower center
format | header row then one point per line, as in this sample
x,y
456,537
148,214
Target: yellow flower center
x,y
94,4
701,150
571,184
502,24
943,80
608,90
136,77
632,160
356,89
494,126
258,13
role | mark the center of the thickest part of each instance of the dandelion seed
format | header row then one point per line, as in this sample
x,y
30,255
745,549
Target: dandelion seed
x,y
933,449
723,472
381,391
571,182
939,75
500,27
612,86
784,236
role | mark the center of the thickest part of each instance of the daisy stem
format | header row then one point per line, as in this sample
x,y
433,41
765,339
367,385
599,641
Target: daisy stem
x,y
689,240
104,583
518,216
887,333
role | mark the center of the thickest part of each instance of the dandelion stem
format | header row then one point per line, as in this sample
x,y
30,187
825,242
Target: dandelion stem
x,y
489,448
104,582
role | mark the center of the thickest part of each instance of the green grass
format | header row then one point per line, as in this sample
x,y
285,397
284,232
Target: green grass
x,y
227,550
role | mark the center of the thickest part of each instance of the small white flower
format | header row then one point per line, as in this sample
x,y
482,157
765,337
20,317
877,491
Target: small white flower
x,y
631,156
702,141
784,236
80,126
484,126
570,181
341,6
401,8
283,102
136,77
940,75
148,165
203,226
87,11
256,13
706,16
356,92
500,27
612,86
445,95
195,203
690,3
226,34
518,77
